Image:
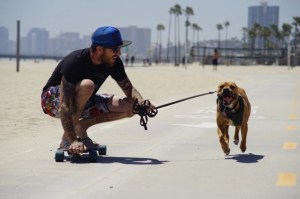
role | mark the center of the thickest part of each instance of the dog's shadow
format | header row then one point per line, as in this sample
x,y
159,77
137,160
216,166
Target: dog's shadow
x,y
245,158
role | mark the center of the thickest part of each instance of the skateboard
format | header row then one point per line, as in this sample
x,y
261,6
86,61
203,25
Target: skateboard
x,y
92,153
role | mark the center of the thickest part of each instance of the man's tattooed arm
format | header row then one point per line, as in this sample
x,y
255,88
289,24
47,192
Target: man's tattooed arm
x,y
129,90
67,108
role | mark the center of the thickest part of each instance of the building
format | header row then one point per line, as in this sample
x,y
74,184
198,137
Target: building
x,y
4,40
263,15
37,41
141,41
64,43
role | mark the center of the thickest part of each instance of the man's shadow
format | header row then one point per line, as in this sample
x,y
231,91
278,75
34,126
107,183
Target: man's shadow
x,y
130,160
121,160
245,158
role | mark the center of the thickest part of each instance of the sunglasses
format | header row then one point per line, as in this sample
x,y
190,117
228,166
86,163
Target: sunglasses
x,y
115,49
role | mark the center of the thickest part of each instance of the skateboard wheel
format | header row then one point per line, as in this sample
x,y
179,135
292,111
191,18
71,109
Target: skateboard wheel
x,y
59,155
93,156
102,150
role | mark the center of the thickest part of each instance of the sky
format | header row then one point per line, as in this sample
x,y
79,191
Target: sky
x,y
85,16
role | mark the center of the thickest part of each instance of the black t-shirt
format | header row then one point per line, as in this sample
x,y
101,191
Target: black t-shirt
x,y
78,66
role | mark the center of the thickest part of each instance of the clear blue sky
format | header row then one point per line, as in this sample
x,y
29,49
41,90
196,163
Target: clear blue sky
x,y
85,16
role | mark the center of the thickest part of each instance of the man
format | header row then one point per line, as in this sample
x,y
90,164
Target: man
x,y
70,93
215,62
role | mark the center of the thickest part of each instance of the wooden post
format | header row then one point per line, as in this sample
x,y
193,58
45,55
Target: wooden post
x,y
18,46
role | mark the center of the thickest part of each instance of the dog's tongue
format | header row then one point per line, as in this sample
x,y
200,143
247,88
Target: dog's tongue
x,y
227,99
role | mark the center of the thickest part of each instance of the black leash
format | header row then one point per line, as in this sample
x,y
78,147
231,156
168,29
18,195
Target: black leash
x,y
175,102
141,109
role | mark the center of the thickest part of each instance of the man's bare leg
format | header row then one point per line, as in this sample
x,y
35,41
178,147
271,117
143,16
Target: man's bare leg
x,y
84,90
120,108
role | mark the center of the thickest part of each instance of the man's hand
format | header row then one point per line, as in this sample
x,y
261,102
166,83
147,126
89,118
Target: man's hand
x,y
144,109
77,147
149,108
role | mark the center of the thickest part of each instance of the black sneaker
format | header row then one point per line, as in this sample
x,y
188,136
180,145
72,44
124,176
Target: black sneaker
x,y
89,143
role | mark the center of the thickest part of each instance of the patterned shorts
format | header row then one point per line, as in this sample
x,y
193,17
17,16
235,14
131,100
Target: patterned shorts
x,y
94,107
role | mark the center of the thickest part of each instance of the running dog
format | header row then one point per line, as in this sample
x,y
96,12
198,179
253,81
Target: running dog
x,y
233,109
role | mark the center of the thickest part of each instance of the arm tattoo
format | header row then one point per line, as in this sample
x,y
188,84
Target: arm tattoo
x,y
125,84
67,107
129,90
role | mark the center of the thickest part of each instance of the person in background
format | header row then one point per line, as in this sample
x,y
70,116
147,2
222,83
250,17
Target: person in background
x,y
215,59
132,60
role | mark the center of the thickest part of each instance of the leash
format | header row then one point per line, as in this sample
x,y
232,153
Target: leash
x,y
175,102
141,109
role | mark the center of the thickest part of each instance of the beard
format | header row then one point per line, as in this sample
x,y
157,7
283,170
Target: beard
x,y
107,60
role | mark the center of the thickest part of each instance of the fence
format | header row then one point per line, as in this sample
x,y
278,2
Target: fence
x,y
240,56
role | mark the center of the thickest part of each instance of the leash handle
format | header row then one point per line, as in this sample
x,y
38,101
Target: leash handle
x,y
143,111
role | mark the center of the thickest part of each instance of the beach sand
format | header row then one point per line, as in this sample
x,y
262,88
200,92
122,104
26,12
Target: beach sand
x,y
21,114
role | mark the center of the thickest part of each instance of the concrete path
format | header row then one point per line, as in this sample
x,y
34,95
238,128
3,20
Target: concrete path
x,y
178,157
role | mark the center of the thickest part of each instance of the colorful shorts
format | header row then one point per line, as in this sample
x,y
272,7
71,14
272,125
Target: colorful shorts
x,y
96,105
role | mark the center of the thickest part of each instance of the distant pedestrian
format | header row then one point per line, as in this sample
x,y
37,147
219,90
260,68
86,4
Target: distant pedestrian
x,y
126,60
132,60
215,59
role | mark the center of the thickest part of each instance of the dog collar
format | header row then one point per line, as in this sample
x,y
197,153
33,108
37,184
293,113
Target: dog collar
x,y
235,115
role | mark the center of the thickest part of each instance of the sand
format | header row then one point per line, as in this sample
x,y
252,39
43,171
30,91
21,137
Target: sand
x,y
21,114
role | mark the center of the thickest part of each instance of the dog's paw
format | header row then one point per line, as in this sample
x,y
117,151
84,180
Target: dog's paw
x,y
243,148
236,142
227,151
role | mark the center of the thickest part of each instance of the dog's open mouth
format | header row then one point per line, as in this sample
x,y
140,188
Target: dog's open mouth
x,y
227,98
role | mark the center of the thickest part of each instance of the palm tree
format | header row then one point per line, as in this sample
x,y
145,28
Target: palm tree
x,y
197,29
252,36
244,30
194,28
286,32
159,28
226,24
256,30
198,33
296,23
177,12
198,41
265,32
219,28
297,20
171,12
276,34
188,12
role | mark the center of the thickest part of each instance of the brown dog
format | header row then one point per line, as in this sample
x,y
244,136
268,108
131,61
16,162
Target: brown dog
x,y
233,109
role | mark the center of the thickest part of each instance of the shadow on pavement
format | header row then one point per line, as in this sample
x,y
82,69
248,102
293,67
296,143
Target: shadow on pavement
x,y
245,158
130,160
121,160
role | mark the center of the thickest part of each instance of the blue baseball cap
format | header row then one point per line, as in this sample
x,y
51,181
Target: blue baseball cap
x,y
108,36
